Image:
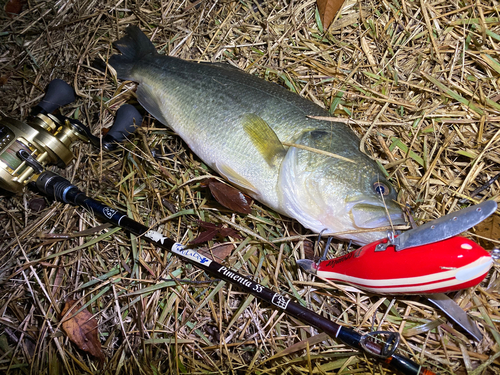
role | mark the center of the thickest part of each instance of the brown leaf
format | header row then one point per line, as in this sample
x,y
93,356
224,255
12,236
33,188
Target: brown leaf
x,y
13,7
490,229
37,204
4,79
230,197
204,236
308,246
169,204
327,10
309,250
218,252
213,231
82,329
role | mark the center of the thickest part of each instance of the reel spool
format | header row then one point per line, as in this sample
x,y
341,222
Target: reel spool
x,y
28,148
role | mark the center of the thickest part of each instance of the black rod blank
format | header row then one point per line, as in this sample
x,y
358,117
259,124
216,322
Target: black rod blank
x,y
60,189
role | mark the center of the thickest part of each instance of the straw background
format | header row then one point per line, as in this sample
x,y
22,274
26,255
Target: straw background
x,y
418,81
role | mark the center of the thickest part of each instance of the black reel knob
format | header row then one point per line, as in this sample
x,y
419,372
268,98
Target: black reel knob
x,y
127,120
58,94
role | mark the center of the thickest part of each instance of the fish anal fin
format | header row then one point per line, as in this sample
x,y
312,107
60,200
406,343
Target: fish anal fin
x,y
236,179
263,138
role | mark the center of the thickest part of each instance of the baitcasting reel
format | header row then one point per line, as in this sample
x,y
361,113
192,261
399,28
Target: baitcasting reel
x,y
28,147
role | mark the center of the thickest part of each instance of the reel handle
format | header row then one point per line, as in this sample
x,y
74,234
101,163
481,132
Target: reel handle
x,y
44,139
126,122
58,94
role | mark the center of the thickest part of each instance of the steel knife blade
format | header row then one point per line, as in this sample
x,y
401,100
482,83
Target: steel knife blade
x,y
456,313
445,227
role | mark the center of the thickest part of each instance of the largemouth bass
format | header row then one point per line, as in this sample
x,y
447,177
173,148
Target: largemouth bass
x,y
238,124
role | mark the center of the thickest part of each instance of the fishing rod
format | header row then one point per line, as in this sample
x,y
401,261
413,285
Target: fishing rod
x,y
380,344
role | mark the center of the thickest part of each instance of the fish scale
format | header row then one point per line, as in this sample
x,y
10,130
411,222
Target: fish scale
x,y
238,124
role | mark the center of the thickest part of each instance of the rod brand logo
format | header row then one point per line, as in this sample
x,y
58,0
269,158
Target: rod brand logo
x,y
109,212
280,301
190,254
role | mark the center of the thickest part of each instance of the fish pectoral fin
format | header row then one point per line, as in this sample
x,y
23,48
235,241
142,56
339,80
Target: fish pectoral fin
x,y
263,138
148,101
236,179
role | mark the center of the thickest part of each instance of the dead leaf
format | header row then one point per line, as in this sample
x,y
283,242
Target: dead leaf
x,y
308,246
37,204
213,231
169,204
218,252
4,79
13,7
82,329
230,197
490,229
327,10
309,250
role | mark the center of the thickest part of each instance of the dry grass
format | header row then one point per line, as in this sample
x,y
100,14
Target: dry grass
x,y
419,81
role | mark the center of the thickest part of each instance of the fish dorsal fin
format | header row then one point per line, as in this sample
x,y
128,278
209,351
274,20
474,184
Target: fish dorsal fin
x,y
263,138
235,178
147,99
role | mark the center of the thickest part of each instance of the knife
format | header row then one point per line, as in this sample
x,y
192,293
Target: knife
x,y
432,232
455,313
441,300
440,229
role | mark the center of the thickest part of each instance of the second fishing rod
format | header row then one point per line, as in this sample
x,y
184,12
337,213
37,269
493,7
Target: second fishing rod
x,y
381,344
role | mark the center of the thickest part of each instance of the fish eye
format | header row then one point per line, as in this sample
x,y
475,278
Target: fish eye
x,y
381,188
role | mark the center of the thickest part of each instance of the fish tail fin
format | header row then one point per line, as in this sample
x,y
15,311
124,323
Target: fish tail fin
x,y
133,46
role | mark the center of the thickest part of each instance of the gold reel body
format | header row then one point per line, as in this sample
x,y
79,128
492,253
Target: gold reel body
x,y
28,147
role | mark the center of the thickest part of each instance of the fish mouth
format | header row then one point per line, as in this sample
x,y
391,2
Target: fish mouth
x,y
370,216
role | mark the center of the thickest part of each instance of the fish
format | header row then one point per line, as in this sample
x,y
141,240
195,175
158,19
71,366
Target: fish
x,y
261,138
